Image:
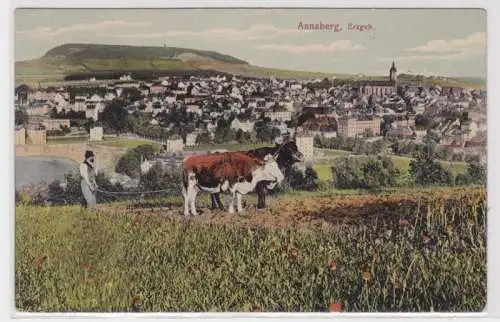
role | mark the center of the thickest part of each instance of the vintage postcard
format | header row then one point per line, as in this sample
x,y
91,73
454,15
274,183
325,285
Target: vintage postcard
x,y
250,160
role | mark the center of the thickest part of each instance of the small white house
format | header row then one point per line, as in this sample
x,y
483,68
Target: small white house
x,y
191,139
96,133
175,144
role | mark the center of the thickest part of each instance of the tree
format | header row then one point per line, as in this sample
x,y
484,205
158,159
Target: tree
x,y
203,138
370,173
160,178
476,172
131,94
379,172
426,170
296,178
129,164
21,117
462,179
311,180
116,117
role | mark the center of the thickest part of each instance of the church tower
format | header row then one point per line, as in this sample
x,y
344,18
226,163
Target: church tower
x,y
393,73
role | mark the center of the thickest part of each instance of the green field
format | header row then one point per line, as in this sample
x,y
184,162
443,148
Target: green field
x,y
67,140
403,163
229,147
129,143
140,64
391,253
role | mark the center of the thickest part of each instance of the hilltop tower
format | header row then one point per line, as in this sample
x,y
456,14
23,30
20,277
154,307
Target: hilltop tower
x,y
393,73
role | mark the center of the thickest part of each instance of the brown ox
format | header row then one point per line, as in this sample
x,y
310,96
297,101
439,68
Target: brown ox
x,y
235,172
285,154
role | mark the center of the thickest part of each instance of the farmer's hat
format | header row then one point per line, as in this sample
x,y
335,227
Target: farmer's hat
x,y
89,154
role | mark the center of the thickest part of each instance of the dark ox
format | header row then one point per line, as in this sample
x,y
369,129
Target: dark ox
x,y
285,154
236,172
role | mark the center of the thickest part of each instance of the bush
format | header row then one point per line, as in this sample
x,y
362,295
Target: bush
x,y
426,170
462,179
159,178
370,173
476,173
130,162
71,192
304,181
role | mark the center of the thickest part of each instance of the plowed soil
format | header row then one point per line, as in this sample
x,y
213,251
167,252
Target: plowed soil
x,y
317,212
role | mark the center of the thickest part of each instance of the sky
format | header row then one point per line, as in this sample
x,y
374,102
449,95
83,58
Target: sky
x,y
445,42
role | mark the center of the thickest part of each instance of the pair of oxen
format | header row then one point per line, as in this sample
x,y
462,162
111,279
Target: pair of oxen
x,y
237,173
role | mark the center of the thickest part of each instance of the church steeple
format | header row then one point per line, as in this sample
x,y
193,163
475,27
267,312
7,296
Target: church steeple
x,y
393,73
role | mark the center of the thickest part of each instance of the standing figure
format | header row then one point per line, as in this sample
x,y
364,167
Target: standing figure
x,y
88,183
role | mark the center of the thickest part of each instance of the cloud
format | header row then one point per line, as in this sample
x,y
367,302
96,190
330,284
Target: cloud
x,y
456,49
452,56
47,32
474,43
341,45
254,32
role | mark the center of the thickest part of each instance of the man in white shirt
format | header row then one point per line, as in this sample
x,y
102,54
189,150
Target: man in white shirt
x,y
88,182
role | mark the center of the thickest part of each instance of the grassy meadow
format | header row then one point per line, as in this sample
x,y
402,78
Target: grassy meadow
x,y
324,171
413,251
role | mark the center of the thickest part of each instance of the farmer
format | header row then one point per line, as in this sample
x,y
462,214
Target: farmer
x,y
88,183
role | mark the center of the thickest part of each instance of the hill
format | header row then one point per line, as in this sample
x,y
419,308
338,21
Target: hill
x,y
82,52
94,59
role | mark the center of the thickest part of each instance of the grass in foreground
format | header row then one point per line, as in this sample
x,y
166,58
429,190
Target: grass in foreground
x,y
420,255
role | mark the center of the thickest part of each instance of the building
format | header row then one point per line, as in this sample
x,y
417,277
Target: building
x,y
350,127
36,137
393,73
245,126
21,136
278,113
382,87
191,139
400,132
79,105
37,110
305,145
92,113
402,121
55,124
377,88
96,133
175,144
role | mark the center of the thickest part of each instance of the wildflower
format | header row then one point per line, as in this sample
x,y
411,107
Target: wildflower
x,y
367,276
85,267
136,304
403,222
333,266
335,306
39,262
425,239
